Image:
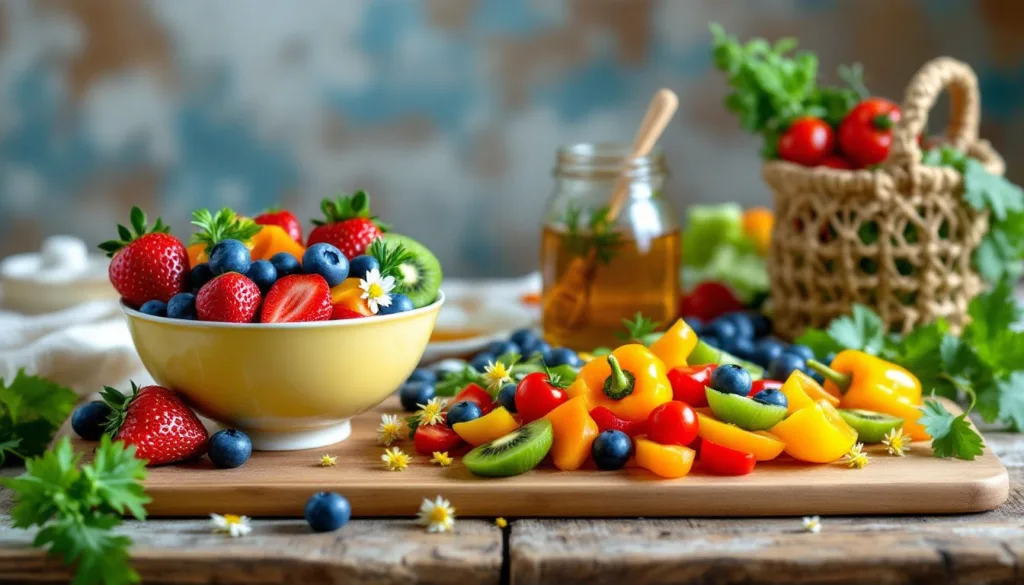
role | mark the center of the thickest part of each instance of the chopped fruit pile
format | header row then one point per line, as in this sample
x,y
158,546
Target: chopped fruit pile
x,y
664,402
240,270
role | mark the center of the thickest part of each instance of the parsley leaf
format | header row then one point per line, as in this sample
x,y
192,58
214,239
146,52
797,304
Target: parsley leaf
x,y
76,507
863,331
952,436
31,410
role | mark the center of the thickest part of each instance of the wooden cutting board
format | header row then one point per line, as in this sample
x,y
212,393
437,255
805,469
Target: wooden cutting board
x,y
279,483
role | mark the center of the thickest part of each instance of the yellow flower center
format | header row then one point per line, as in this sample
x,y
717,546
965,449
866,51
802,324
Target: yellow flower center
x,y
375,291
232,519
439,514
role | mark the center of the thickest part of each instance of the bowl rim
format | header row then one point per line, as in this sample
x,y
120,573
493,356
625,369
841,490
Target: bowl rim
x,y
188,323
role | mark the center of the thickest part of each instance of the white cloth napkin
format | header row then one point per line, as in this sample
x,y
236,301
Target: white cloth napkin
x,y
84,347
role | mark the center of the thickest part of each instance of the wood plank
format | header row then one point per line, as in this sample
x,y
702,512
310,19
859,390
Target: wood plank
x,y
283,552
279,483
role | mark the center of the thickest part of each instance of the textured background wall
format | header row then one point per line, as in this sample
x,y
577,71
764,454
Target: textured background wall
x,y
448,111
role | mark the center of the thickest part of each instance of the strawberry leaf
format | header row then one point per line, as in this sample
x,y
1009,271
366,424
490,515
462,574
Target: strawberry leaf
x,y
138,222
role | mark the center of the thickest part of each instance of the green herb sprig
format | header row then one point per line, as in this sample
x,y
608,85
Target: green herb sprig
x,y
985,365
391,257
596,236
773,84
76,507
31,411
222,225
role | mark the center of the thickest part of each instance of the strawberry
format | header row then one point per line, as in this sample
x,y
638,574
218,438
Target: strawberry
x,y
230,297
341,312
349,226
155,420
147,264
284,219
295,298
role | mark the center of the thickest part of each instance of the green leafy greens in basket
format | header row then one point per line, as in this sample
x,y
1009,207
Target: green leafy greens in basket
x,y
773,84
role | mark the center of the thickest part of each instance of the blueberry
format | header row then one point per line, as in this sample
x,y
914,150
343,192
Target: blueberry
x,y
285,264
767,350
502,347
731,379
229,256
229,448
784,365
480,360
422,375
200,275
772,396
414,393
182,306
711,340
263,273
562,356
541,347
360,265
327,261
90,419
399,304
721,328
741,347
327,511
744,328
507,397
154,307
526,339
464,411
611,450
801,350
762,325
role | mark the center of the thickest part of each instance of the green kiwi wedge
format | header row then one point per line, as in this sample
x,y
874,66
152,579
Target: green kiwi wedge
x,y
420,277
744,412
871,426
515,453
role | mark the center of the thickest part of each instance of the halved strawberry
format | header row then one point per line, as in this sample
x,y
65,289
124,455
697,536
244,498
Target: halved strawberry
x,y
155,420
347,225
230,297
295,298
339,312
477,395
147,264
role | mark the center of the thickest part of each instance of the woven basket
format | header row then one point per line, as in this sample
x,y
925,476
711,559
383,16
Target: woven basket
x,y
898,238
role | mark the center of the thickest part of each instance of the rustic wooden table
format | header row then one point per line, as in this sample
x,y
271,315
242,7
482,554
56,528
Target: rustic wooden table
x,y
979,548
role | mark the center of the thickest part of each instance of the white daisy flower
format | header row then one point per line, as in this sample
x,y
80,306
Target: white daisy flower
x,y
377,290
390,429
497,374
812,524
437,515
231,524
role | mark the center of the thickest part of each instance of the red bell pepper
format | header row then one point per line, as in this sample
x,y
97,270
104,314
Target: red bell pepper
x,y
477,395
725,461
759,385
688,384
607,421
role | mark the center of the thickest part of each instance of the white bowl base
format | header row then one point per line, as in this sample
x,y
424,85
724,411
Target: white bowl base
x,y
297,440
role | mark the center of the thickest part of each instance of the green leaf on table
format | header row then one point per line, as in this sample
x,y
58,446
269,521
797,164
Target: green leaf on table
x,y
31,410
862,330
952,436
820,342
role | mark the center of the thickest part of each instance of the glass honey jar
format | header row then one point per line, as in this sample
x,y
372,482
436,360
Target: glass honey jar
x,y
605,258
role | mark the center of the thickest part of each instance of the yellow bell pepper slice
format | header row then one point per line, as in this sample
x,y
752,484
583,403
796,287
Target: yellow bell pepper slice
x,y
816,434
762,444
675,346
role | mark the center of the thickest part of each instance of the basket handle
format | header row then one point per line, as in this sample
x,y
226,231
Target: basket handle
x,y
922,91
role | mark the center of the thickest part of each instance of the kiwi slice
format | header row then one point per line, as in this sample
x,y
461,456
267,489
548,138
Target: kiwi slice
x,y
744,412
515,453
420,277
871,426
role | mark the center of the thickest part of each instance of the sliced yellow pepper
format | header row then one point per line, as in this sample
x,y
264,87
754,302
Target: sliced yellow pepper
x,y
675,346
816,434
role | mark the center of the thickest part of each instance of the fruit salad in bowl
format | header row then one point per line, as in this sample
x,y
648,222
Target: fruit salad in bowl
x,y
260,332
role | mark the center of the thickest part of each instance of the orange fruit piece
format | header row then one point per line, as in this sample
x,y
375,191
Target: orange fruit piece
x,y
757,225
349,295
574,431
272,240
488,427
671,461
763,445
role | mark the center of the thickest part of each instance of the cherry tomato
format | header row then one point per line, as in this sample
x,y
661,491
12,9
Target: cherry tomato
x,y
536,396
607,421
672,423
807,141
437,437
759,385
688,384
477,395
834,161
865,134
708,301
725,461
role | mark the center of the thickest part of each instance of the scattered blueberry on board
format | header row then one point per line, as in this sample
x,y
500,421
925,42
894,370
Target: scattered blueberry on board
x,y
422,375
502,347
464,411
229,448
731,379
611,450
772,396
414,393
90,419
327,511
562,356
507,397
480,360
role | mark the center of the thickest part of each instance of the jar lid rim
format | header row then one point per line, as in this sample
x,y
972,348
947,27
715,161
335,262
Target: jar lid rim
x,y
606,157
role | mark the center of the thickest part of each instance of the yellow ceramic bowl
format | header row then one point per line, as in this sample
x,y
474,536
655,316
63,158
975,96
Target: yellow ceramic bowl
x,y
287,385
